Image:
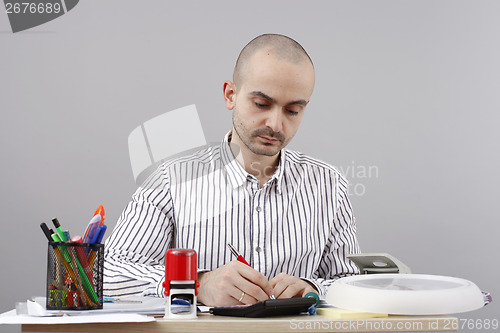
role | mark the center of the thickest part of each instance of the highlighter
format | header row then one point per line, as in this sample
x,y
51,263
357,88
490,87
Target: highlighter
x,y
59,229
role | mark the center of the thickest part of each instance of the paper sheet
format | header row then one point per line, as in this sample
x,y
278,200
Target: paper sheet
x,y
111,313
11,318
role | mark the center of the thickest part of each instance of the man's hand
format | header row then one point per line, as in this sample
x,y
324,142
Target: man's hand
x,y
232,284
287,286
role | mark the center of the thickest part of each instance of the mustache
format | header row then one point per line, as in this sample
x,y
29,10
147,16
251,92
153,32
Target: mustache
x,y
269,133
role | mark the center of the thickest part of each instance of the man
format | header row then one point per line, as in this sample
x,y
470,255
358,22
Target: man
x,y
288,214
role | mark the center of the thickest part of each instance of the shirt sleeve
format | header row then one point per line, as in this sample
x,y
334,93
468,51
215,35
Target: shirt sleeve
x,y
342,241
135,252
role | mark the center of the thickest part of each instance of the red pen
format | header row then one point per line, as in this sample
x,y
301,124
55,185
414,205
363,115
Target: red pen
x,y
238,256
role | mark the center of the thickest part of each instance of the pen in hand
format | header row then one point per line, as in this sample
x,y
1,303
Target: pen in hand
x,y
240,258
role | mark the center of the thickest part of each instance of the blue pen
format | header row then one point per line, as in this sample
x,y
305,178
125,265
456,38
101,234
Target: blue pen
x,y
107,299
102,230
99,234
94,224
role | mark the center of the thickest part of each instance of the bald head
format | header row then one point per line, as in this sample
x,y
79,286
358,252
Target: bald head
x,y
279,46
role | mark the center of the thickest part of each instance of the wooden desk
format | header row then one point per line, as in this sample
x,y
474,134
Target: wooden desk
x,y
303,323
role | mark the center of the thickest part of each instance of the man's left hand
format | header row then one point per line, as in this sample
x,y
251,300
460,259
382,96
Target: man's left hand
x,y
287,286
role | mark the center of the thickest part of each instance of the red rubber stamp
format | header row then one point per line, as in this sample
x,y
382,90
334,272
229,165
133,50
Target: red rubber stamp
x,y
181,283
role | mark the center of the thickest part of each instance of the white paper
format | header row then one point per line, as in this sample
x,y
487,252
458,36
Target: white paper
x,y
11,318
111,313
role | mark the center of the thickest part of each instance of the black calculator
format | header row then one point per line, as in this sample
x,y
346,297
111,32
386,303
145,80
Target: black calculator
x,y
267,308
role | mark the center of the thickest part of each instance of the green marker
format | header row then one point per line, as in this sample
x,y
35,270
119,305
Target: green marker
x,y
63,249
59,229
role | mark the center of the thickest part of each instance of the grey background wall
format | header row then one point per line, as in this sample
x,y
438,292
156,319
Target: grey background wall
x,y
406,104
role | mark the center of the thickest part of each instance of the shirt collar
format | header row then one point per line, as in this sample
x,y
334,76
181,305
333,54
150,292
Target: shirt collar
x,y
236,173
278,174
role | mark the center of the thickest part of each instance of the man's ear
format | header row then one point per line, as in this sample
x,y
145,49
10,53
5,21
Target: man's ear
x,y
229,90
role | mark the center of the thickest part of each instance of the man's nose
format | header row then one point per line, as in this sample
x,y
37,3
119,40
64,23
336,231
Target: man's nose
x,y
274,120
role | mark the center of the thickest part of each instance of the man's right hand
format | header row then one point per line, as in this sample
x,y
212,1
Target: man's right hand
x,y
233,284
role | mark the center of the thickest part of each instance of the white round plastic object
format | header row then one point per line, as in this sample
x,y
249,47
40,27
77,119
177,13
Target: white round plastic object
x,y
405,294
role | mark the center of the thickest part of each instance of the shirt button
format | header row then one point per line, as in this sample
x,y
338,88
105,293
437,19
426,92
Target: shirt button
x,y
258,208
258,249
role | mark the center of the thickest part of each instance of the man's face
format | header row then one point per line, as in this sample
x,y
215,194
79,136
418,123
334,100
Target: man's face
x,y
270,102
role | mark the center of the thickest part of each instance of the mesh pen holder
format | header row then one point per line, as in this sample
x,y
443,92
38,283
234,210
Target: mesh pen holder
x,y
74,276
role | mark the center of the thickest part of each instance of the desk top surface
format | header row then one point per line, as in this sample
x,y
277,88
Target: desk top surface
x,y
302,323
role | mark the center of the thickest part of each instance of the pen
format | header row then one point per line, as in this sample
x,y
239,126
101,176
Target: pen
x,y
98,234
100,211
107,299
102,230
93,250
240,258
94,223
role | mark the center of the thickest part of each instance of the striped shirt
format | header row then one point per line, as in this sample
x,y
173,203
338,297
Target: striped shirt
x,y
300,222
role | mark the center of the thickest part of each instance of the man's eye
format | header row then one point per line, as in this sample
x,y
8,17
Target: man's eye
x,y
293,113
262,106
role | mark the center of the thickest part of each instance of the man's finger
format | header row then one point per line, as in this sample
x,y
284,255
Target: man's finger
x,y
254,285
255,278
